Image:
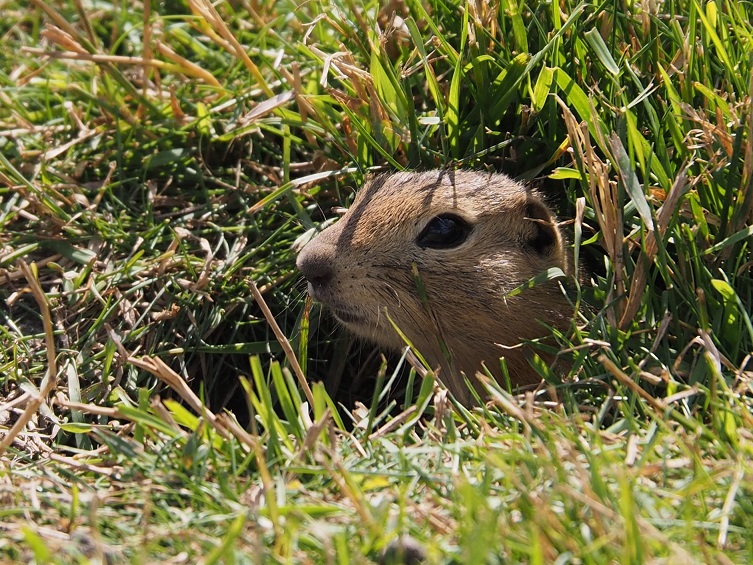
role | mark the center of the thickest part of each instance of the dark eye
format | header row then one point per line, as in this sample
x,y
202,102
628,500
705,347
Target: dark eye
x,y
444,232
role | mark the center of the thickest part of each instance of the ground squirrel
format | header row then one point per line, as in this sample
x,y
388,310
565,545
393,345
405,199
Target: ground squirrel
x,y
438,253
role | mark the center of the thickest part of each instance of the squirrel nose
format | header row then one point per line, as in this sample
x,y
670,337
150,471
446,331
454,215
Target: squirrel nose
x,y
315,266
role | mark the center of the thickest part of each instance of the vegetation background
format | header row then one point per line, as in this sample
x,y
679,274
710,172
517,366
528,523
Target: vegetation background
x,y
161,162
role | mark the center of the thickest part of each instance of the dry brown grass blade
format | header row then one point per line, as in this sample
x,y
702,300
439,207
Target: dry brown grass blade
x,y
313,433
394,423
10,276
507,404
604,199
305,108
729,502
283,341
265,107
218,30
73,45
648,254
83,465
159,369
85,21
344,66
93,409
44,307
62,39
59,20
580,214
746,210
180,65
50,379
185,66
625,380
251,442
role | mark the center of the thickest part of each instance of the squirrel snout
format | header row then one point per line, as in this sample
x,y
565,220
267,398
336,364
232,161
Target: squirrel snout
x,y
315,266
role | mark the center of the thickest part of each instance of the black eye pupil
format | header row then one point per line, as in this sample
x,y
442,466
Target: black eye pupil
x,y
444,232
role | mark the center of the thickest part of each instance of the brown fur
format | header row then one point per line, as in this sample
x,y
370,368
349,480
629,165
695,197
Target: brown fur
x,y
362,269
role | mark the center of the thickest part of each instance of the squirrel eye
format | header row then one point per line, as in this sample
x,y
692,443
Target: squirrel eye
x,y
444,232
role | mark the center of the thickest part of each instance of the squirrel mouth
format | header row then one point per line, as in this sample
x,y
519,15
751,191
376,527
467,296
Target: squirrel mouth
x,y
344,315
347,317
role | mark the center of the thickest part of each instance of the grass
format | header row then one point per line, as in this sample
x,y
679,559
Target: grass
x,y
160,161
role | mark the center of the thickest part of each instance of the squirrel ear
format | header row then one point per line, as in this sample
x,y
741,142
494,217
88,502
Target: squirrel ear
x,y
539,230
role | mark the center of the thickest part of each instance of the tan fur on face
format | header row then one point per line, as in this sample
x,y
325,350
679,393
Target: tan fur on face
x,y
361,268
